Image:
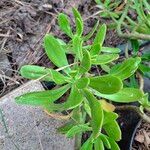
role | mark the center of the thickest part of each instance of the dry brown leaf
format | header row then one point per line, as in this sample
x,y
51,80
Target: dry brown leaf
x,y
140,138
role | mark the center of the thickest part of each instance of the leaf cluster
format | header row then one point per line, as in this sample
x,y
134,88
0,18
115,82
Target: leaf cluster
x,y
86,90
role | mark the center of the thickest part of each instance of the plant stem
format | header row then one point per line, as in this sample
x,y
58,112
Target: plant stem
x,y
126,51
136,109
147,109
58,116
78,138
135,36
141,81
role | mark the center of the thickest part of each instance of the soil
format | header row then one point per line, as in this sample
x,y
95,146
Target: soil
x,y
142,137
127,120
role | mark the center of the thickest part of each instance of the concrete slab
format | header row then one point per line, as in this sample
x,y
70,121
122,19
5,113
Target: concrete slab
x,y
28,128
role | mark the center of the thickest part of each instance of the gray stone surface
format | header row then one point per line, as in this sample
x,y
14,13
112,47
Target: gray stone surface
x,y
5,67
29,128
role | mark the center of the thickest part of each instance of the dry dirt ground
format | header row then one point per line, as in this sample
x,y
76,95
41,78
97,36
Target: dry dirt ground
x,y
142,137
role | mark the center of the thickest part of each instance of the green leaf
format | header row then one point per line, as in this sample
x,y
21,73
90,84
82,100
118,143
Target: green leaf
x,y
133,82
35,72
146,56
114,14
80,128
75,120
106,84
99,39
88,145
109,117
78,22
66,127
45,74
98,1
98,144
107,3
96,113
64,24
105,141
61,42
77,47
145,101
42,98
82,83
77,115
144,68
114,145
125,69
87,107
90,34
55,52
113,130
75,99
85,63
77,14
79,27
58,78
100,36
135,45
104,59
110,50
96,48
106,68
126,95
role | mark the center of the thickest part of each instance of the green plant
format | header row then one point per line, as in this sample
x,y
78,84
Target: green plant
x,y
131,16
85,106
144,68
142,71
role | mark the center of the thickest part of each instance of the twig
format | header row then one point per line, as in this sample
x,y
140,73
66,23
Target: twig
x,y
62,68
135,36
6,77
91,16
5,35
126,51
147,109
19,2
4,41
141,81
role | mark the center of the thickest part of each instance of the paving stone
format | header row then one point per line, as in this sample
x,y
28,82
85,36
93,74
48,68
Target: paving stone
x,y
29,128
